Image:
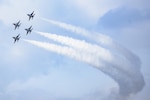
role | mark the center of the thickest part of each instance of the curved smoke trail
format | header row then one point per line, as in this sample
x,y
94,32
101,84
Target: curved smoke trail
x,y
115,66
101,39
127,87
122,65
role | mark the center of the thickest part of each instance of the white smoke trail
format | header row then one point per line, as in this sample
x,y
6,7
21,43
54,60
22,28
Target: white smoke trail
x,y
126,72
80,45
100,38
83,47
95,61
131,58
67,51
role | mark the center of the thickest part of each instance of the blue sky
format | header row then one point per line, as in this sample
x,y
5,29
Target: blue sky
x,y
28,72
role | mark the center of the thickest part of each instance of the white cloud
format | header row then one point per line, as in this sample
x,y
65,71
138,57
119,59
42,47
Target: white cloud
x,y
136,37
93,9
140,33
58,84
16,10
136,4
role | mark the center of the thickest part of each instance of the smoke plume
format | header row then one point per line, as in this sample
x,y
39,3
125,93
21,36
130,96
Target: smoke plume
x,y
116,61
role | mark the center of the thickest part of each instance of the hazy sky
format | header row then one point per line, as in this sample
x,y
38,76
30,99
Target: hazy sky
x,y
28,72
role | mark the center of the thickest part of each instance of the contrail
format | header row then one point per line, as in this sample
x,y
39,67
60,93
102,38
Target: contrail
x,y
126,82
123,66
80,45
100,38
67,51
104,40
96,50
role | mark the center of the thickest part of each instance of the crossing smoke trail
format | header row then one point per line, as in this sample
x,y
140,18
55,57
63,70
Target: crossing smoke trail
x,y
125,69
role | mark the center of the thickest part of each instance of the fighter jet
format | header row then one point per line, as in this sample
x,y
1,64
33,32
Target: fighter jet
x,y
31,15
16,38
29,30
17,25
